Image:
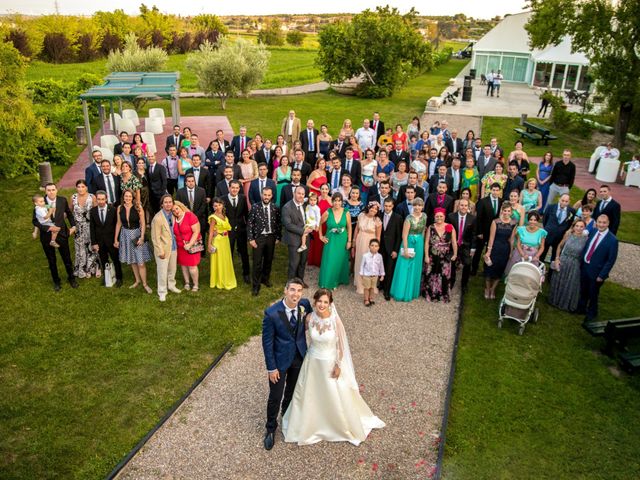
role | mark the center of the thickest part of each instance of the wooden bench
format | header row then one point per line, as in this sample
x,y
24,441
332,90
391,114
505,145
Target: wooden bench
x,y
617,335
596,329
535,133
630,362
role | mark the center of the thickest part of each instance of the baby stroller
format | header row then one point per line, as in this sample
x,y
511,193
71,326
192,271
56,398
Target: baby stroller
x,y
524,282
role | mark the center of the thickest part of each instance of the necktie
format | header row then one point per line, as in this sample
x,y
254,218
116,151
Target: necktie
x,y
293,321
241,144
110,189
302,213
375,125
267,155
261,186
102,215
456,181
191,199
386,220
460,230
495,206
336,176
196,174
310,140
349,165
234,202
604,205
593,247
440,199
560,215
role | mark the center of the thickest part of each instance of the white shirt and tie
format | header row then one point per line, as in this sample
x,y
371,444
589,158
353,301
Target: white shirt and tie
x,y
262,183
461,224
347,165
233,200
110,187
335,179
594,244
385,220
312,143
300,208
103,213
455,174
191,194
196,174
562,214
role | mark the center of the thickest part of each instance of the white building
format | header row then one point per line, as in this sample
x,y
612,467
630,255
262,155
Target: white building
x,y
506,48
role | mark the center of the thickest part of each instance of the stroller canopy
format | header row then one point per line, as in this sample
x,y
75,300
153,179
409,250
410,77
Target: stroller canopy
x,y
523,284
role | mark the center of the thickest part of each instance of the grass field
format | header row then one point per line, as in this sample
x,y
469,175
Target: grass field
x,y
543,405
287,67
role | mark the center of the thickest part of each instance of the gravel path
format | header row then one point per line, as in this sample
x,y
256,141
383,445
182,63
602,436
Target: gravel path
x,y
401,354
626,271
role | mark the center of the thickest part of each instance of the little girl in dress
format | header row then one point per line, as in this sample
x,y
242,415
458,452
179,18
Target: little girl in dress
x,y
312,212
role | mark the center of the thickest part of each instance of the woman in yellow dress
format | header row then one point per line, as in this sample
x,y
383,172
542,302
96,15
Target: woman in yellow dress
x,y
471,179
222,274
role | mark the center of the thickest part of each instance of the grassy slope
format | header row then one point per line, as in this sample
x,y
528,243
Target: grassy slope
x,y
287,67
543,405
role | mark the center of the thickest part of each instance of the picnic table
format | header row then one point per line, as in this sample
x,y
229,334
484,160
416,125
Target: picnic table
x,y
536,133
617,333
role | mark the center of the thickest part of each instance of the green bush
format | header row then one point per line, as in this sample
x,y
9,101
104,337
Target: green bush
x,y
271,34
295,37
442,56
20,41
57,48
368,90
133,58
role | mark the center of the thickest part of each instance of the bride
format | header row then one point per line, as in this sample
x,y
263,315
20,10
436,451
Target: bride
x,y
326,402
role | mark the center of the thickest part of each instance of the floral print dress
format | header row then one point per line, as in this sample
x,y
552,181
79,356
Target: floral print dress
x,y
437,274
86,260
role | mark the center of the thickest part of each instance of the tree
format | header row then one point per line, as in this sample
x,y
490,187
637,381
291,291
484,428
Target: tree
x,y
18,122
133,58
607,32
229,67
295,37
383,46
271,34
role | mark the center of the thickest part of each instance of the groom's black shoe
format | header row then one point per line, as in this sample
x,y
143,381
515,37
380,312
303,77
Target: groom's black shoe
x,y
269,440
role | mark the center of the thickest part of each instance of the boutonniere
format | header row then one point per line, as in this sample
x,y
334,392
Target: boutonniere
x,y
301,310
570,216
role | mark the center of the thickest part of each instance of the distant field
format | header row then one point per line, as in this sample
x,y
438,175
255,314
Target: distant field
x,y
287,67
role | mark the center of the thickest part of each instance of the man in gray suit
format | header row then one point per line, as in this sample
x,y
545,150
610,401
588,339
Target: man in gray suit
x,y
293,220
486,161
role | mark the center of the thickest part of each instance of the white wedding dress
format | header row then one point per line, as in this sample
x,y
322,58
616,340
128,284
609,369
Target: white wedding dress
x,y
325,408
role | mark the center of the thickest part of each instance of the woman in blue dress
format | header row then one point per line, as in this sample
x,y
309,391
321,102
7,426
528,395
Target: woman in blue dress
x,y
528,242
543,175
405,285
498,250
324,141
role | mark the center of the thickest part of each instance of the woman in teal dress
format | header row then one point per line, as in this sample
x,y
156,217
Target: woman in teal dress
x,y
282,176
527,241
405,285
530,197
334,267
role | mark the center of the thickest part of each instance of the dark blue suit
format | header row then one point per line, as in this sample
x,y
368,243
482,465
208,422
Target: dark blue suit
x,y
284,348
555,230
402,209
602,261
254,190
236,144
90,173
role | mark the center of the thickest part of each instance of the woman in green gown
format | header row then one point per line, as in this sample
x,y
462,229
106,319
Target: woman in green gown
x,y
408,273
334,267
282,176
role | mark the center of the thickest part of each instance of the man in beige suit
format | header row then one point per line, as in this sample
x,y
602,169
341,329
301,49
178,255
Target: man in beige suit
x,y
290,129
164,247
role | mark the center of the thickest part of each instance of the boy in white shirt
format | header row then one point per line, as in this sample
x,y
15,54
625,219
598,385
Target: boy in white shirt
x,y
312,212
371,270
44,213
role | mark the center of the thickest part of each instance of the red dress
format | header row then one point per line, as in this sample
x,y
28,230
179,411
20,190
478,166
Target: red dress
x,y
183,233
315,246
316,184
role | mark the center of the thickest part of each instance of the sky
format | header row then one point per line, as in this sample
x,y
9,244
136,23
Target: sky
x,y
472,8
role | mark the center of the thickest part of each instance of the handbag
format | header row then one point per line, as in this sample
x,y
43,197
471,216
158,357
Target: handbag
x,y
411,252
109,276
196,247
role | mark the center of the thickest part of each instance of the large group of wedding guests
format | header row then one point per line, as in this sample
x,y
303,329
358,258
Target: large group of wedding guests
x,y
403,211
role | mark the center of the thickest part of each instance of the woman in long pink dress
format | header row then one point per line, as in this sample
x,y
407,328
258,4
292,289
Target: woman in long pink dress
x,y
249,169
369,226
186,229
315,249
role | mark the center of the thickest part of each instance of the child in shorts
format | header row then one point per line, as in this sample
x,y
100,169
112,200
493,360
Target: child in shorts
x,y
44,213
312,212
371,270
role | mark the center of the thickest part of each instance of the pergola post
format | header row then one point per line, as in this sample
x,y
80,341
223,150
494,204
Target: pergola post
x,y
120,106
178,107
173,111
87,125
113,118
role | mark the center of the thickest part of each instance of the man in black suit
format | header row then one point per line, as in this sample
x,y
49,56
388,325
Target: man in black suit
x,y
477,149
157,182
340,146
195,198
334,176
405,207
440,177
299,163
264,156
454,174
63,213
124,138
398,155
223,187
201,176
229,161
453,143
413,181
237,210
263,230
352,166
438,199
108,183
558,218
377,126
465,226
287,191
487,210
175,139
102,228
259,184
308,139
239,143
381,193
486,161
94,170
222,143
609,207
514,180
390,241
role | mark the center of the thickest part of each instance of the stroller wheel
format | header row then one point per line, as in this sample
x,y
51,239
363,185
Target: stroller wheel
x,y
500,323
521,330
536,313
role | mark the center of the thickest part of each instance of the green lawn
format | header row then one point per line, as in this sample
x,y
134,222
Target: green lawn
x,y
85,373
288,67
543,405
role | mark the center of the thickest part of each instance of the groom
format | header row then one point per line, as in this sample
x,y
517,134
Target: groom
x,y
284,345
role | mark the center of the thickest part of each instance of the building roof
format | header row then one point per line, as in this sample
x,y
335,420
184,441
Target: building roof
x,y
136,85
510,36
